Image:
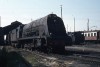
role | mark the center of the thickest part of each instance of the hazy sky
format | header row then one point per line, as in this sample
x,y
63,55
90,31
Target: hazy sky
x,y
25,10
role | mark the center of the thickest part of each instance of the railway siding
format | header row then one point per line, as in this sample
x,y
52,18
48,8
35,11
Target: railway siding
x,y
83,49
26,58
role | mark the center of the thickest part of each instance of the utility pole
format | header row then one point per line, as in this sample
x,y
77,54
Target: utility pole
x,y
74,24
61,11
88,25
70,29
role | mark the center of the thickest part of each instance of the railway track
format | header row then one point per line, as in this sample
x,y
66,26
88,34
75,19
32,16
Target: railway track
x,y
61,60
87,58
87,54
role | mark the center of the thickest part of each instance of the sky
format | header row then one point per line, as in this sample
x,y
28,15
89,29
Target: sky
x,y
27,10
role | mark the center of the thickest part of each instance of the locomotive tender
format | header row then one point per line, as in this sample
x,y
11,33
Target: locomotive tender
x,y
77,37
47,33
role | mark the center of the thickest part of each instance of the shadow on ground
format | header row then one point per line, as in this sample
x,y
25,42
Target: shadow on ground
x,y
12,59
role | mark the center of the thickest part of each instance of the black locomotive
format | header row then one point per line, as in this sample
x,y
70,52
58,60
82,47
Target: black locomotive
x,y
77,37
47,33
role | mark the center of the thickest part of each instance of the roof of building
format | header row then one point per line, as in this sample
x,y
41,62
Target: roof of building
x,y
92,31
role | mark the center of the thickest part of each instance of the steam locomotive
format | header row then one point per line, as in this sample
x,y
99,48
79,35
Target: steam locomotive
x,y
47,33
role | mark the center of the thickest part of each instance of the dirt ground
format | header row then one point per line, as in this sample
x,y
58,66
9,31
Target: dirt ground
x,y
11,57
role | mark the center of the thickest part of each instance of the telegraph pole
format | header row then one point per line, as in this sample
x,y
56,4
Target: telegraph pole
x,y
74,24
88,25
61,11
70,29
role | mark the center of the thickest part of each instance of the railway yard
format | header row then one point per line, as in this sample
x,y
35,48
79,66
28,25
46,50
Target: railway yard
x,y
45,43
87,57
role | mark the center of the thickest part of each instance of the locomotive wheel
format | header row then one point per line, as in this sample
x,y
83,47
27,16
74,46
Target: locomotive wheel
x,y
32,48
34,43
38,45
22,46
59,50
49,49
18,45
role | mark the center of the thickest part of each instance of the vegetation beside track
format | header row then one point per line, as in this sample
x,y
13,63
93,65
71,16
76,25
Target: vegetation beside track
x,y
12,59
